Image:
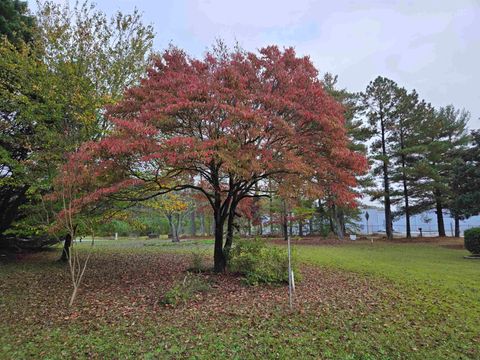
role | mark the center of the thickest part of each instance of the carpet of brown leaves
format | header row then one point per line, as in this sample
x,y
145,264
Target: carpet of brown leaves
x,y
120,302
118,287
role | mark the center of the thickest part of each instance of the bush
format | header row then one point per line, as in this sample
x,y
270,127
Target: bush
x,y
472,240
259,263
197,264
182,291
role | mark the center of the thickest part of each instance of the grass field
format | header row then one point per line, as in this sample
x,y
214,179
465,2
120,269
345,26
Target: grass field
x,y
423,266
356,301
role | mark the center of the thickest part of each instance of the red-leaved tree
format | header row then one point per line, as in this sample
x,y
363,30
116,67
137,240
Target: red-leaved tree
x,y
224,126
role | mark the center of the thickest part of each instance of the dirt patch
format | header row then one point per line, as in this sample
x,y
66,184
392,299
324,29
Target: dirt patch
x,y
430,240
309,241
454,246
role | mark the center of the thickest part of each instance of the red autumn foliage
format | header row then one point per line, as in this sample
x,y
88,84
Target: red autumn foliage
x,y
223,125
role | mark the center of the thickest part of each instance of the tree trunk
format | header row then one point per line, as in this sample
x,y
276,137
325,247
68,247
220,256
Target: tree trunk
x,y
439,211
341,218
175,235
407,209
219,262
330,223
290,228
66,248
270,207
388,211
193,227
179,225
284,221
300,228
12,198
338,223
285,230
202,224
212,226
457,226
386,185
405,188
230,228
173,228
310,226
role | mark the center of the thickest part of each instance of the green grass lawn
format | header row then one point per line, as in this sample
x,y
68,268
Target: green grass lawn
x,y
425,266
356,301
442,286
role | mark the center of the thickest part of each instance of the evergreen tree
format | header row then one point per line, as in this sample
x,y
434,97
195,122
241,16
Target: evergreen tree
x,y
380,102
409,118
465,182
442,136
340,216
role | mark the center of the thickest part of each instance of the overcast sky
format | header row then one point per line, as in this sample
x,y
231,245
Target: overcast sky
x,y
431,46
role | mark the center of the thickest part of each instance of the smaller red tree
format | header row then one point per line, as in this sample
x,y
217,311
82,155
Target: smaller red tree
x,y
224,126
75,214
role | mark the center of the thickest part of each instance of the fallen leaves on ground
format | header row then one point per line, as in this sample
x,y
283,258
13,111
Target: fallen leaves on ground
x,y
123,290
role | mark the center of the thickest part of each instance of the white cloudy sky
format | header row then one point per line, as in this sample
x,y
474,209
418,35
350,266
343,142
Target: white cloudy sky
x,y
430,45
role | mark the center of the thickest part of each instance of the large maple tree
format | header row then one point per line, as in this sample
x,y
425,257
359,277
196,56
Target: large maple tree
x,y
225,125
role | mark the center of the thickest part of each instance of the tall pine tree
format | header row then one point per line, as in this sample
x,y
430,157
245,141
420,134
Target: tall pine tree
x,y
410,115
465,182
442,135
359,135
380,102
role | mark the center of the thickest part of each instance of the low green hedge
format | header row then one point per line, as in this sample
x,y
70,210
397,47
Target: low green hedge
x,y
472,240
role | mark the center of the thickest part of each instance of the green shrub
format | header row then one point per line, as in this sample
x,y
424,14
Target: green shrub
x,y
325,230
182,291
259,263
197,263
472,240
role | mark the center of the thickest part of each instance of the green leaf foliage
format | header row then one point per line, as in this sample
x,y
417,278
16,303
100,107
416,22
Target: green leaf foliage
x,y
16,23
53,94
259,263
